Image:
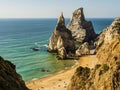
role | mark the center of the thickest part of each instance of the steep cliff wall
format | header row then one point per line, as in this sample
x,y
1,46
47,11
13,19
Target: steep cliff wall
x,y
106,74
9,79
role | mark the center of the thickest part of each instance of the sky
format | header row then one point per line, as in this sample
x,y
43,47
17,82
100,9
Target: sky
x,y
52,8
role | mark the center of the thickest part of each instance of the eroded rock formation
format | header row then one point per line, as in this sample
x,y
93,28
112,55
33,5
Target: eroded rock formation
x,y
83,50
82,30
9,79
61,40
106,74
109,33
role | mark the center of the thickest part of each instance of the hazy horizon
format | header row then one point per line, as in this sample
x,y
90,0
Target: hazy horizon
x,y
52,9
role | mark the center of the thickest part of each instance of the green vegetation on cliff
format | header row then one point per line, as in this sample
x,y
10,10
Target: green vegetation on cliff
x,y
106,74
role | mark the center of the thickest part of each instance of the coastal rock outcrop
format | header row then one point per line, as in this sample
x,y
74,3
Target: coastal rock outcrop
x,y
9,79
83,50
106,74
82,30
61,40
108,34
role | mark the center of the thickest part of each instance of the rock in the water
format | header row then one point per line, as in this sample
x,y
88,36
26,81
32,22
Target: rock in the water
x,y
83,50
81,29
9,79
106,74
61,40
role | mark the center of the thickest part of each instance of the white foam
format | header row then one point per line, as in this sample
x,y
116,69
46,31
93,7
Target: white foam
x,y
45,45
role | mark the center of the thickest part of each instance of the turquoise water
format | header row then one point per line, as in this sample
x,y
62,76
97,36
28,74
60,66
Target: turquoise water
x,y
18,36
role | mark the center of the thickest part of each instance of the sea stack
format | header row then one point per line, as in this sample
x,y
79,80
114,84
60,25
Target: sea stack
x,y
82,30
61,40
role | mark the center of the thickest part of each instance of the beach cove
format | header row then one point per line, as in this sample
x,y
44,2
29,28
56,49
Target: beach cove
x,y
15,38
60,80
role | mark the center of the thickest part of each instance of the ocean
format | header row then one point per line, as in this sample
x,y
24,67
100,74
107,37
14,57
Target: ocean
x,y
18,36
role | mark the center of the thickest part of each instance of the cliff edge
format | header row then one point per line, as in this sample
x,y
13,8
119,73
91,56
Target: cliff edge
x,y
9,79
61,40
106,74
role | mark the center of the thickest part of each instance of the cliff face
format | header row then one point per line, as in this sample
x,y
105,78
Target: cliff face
x,y
61,40
106,74
109,33
82,30
9,79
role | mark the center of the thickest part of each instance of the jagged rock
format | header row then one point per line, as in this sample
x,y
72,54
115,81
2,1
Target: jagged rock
x,y
106,74
82,30
109,33
83,50
9,79
62,53
61,40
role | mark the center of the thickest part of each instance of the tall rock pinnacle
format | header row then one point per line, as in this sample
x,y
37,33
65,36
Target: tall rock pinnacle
x,y
82,30
61,20
78,15
61,40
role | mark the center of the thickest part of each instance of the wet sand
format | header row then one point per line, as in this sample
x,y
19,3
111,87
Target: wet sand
x,y
60,80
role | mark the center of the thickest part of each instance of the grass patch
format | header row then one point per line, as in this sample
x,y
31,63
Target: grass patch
x,y
105,68
83,71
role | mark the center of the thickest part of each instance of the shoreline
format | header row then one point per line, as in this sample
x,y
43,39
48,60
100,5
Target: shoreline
x,y
61,79
63,70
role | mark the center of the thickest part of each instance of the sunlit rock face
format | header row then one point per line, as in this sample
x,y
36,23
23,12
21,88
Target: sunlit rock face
x,y
106,74
82,30
61,40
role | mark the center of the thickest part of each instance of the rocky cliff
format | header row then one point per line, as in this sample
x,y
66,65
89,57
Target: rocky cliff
x,y
108,34
61,40
106,74
82,30
9,79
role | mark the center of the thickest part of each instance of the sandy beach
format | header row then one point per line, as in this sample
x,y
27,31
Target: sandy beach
x,y
60,80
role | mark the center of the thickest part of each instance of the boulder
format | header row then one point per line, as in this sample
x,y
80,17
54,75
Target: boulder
x,y
83,50
82,30
61,40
